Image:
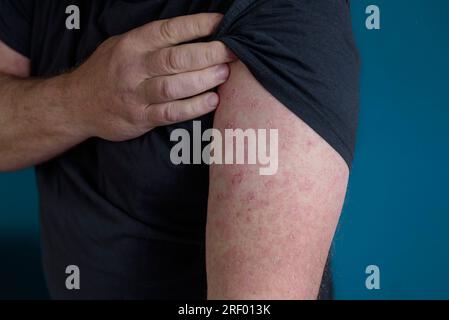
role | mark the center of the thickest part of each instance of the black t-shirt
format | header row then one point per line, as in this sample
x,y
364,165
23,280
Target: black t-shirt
x,y
133,222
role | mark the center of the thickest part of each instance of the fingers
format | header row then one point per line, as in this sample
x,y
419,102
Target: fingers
x,y
188,57
181,110
183,85
165,33
177,71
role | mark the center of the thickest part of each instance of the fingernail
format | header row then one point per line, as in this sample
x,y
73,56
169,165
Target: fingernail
x,y
223,72
212,100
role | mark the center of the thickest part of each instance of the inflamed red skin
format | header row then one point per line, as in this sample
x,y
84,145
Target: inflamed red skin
x,y
268,237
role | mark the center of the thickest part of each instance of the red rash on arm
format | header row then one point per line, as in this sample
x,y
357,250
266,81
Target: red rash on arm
x,y
268,237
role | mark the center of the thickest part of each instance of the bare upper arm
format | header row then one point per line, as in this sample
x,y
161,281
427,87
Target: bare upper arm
x,y
268,237
12,62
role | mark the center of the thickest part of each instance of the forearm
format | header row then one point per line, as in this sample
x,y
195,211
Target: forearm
x,y
125,89
38,120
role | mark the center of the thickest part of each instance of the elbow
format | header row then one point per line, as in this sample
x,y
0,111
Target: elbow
x,y
8,167
9,164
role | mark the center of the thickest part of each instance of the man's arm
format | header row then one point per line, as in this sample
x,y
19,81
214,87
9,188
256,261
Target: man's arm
x,y
131,84
268,237
33,122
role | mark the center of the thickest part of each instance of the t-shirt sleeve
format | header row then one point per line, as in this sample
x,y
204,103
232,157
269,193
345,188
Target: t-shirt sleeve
x,y
16,17
303,53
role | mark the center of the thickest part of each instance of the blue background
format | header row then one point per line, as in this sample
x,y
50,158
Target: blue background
x,y
396,215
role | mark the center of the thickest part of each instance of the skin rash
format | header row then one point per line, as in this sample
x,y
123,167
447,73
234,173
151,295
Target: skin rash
x,y
268,237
